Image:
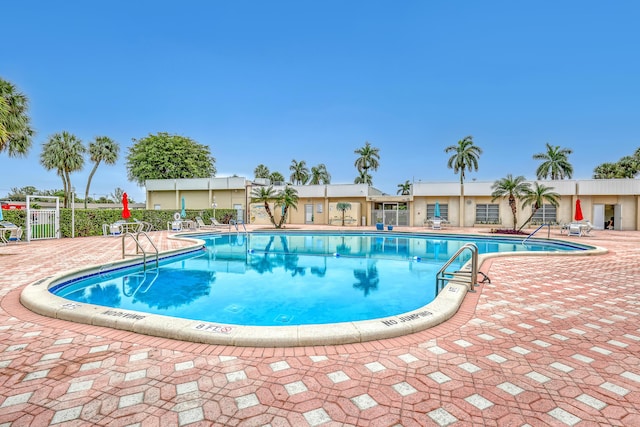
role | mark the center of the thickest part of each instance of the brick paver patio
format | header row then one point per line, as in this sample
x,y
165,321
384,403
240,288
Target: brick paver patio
x,y
553,340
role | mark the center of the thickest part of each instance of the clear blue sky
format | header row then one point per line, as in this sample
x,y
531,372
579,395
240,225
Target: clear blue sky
x,y
271,81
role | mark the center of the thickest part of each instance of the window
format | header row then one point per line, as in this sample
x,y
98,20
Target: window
x,y
545,215
487,214
444,211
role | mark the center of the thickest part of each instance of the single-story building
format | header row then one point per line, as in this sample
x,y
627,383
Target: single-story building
x,y
470,205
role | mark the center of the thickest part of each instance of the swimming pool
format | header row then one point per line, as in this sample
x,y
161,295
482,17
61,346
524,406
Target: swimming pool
x,y
290,279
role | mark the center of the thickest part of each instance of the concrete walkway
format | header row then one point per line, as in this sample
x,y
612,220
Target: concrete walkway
x,y
553,340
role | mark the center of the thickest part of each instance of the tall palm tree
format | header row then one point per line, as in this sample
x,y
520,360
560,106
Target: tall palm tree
x,y
320,175
261,171
363,178
65,153
555,163
15,126
368,160
536,197
102,149
465,156
511,188
404,189
288,198
265,195
299,172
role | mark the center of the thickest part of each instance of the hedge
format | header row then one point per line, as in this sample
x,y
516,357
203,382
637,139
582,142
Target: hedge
x,y
88,222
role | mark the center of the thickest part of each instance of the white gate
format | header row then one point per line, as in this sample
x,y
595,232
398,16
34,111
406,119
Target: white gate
x,y
43,223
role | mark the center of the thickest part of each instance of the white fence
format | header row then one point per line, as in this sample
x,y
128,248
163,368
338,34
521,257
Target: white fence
x,y
43,223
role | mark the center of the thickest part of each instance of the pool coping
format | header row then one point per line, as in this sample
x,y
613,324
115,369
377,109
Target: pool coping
x,y
37,298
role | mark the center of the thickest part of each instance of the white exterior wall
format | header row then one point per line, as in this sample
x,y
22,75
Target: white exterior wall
x,y
436,188
310,191
349,190
609,186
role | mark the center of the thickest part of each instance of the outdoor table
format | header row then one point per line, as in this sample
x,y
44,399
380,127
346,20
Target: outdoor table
x,y
130,227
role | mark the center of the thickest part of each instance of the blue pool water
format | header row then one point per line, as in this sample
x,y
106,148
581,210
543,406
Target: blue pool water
x,y
289,278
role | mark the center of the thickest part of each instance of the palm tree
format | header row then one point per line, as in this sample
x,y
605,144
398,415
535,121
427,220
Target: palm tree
x,y
276,177
368,160
103,149
404,189
264,195
15,127
627,167
555,163
261,171
288,198
511,188
299,172
342,207
320,175
536,197
465,156
605,171
363,178
65,153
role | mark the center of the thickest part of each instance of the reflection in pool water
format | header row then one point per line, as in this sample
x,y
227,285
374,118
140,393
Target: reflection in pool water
x,y
287,279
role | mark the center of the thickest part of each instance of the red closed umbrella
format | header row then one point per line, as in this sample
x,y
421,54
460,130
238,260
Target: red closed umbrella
x,y
578,216
125,206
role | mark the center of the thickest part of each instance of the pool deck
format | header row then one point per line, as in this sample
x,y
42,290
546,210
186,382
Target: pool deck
x,y
552,340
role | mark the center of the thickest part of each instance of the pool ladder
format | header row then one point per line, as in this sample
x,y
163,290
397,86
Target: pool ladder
x,y
139,248
235,224
468,276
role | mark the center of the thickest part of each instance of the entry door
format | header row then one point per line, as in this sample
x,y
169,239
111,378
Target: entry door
x,y
308,214
617,214
239,212
598,217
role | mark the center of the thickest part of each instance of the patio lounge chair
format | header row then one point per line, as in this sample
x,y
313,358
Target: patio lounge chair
x,y
201,225
436,224
216,223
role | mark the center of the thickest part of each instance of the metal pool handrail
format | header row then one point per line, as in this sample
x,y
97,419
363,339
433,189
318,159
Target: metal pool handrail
x,y
536,230
139,248
235,224
465,277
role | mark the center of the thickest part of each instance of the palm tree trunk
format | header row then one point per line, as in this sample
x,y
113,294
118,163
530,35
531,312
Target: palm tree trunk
x,y
268,209
536,206
527,221
284,216
461,207
512,204
64,190
86,192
